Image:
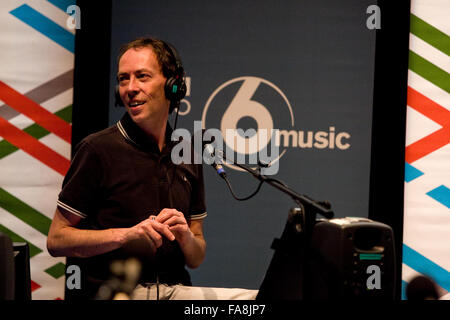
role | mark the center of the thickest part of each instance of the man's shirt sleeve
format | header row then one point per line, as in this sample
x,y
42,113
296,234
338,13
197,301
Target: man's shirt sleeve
x,y
81,185
198,207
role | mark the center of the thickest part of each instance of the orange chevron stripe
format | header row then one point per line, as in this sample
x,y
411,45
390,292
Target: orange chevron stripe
x,y
33,147
435,140
428,107
427,145
34,111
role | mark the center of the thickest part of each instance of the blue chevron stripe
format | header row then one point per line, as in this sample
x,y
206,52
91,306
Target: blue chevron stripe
x,y
441,194
423,265
411,173
62,4
404,286
44,25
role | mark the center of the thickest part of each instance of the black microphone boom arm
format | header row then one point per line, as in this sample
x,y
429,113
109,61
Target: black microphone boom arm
x,y
322,208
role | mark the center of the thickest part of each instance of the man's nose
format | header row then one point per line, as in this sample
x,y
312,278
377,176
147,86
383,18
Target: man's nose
x,y
133,87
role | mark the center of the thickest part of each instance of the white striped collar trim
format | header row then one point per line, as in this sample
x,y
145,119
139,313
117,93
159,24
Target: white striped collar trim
x,y
70,209
198,216
124,133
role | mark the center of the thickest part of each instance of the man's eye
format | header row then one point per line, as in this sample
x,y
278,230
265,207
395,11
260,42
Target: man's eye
x,y
143,76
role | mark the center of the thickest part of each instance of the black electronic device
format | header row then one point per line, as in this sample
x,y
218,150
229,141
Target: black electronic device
x,y
327,258
22,271
352,258
7,278
345,258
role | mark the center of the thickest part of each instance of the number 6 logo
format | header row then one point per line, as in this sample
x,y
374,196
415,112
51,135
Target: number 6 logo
x,y
243,106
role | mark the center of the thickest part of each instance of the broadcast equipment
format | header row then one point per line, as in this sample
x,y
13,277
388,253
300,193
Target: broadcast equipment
x,y
325,258
352,258
22,271
348,258
7,272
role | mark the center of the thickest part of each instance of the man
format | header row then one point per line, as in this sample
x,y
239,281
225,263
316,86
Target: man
x,y
123,197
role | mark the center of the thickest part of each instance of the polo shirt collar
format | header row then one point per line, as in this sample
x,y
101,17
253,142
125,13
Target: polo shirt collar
x,y
132,133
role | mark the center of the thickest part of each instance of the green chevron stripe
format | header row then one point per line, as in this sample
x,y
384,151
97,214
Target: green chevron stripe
x,y
34,250
430,34
24,212
6,148
56,271
65,113
35,131
429,71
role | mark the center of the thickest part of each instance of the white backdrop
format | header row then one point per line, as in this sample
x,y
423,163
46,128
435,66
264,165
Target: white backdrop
x,y
36,80
426,238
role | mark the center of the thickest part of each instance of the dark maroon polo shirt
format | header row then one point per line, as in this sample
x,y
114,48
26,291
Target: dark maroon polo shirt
x,y
118,177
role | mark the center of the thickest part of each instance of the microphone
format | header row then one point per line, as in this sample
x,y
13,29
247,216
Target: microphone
x,y
209,149
422,288
125,275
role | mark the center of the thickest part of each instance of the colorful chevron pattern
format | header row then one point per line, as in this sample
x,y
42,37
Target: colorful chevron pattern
x,y
36,78
427,155
36,83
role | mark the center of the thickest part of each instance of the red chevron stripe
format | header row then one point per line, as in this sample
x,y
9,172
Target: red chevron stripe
x,y
33,147
437,139
34,286
35,112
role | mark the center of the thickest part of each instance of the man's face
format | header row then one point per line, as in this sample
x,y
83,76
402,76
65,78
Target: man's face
x,y
141,85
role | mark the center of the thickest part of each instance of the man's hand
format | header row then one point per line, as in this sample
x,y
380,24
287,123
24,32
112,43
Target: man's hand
x,y
189,235
151,230
177,224
171,223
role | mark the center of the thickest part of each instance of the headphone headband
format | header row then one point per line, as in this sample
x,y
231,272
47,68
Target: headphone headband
x,y
179,70
175,87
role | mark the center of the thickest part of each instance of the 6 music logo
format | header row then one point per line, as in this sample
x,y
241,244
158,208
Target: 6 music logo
x,y
248,130
247,126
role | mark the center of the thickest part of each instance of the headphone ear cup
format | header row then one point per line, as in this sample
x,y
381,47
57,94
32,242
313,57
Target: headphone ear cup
x,y
175,89
117,99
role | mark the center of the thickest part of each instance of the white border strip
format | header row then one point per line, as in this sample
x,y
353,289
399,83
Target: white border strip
x,y
70,209
199,216
124,133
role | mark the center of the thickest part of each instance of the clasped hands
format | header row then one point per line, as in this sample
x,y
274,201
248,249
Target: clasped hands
x,y
169,223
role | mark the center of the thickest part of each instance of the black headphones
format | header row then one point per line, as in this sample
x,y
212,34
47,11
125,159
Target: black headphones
x,y
175,86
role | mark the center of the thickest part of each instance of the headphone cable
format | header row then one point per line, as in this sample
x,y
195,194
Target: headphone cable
x,y
177,108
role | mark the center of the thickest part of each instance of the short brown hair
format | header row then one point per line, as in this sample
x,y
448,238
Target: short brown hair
x,y
163,53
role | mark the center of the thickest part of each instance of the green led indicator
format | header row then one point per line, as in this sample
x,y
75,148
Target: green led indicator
x,y
369,256
175,89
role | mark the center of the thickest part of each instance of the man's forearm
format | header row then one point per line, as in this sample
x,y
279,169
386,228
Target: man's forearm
x,y
194,249
73,242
